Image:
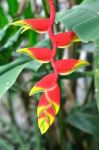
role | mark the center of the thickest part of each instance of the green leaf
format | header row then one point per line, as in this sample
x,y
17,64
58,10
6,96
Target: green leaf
x,y
10,72
9,76
28,12
13,6
82,19
5,146
3,31
78,1
11,65
44,43
96,73
3,18
32,37
7,48
33,65
85,122
12,39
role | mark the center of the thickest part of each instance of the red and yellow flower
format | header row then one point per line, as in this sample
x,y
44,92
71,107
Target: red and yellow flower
x,y
64,39
39,25
42,55
49,103
67,66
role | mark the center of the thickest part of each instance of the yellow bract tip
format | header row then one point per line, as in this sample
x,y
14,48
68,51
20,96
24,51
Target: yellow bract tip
x,y
25,28
35,90
77,40
22,23
43,125
83,63
18,23
25,51
22,50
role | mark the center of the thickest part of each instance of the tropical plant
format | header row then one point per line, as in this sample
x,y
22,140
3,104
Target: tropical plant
x,y
74,27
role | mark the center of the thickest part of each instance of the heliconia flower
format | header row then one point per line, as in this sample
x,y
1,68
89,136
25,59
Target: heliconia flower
x,y
42,55
67,66
39,25
65,39
48,82
48,107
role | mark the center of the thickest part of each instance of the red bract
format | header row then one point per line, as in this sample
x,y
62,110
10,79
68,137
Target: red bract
x,y
67,66
42,55
64,39
49,103
48,107
44,84
39,25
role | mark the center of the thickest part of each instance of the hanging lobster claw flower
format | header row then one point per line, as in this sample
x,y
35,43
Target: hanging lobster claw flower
x,y
39,25
67,66
65,39
48,107
49,81
42,55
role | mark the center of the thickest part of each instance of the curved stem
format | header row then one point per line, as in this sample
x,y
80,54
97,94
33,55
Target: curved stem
x,y
51,35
